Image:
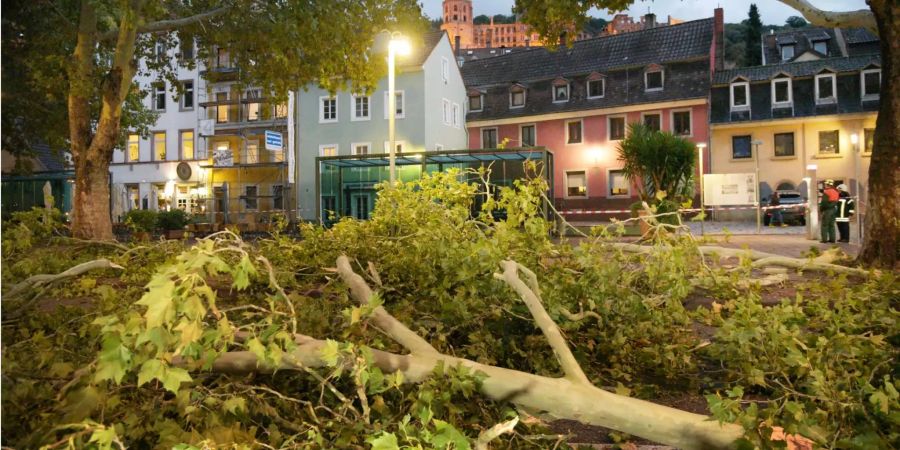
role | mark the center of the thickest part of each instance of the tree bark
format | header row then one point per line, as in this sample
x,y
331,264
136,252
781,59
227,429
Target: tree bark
x,y
881,246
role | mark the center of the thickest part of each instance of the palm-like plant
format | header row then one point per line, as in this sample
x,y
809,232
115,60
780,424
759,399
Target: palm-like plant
x,y
657,162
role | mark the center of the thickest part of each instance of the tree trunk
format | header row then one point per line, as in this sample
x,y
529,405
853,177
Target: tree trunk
x,y
90,208
881,247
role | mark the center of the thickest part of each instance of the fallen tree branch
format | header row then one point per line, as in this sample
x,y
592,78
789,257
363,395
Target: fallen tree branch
x,y
494,432
35,281
532,300
805,264
392,327
580,315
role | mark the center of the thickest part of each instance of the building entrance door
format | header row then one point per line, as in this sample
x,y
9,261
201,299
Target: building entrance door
x,y
360,205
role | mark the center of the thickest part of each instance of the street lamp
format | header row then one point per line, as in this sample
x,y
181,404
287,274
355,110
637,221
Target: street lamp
x,y
756,145
398,45
701,147
854,139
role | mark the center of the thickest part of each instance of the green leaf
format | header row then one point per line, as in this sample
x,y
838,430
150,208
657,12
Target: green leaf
x,y
447,434
235,405
104,438
152,369
173,378
258,349
386,441
330,352
242,272
158,300
114,360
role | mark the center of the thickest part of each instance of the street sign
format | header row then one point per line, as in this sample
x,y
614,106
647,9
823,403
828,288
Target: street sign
x,y
274,140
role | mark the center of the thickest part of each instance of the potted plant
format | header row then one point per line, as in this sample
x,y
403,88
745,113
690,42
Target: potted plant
x,y
141,222
173,223
660,166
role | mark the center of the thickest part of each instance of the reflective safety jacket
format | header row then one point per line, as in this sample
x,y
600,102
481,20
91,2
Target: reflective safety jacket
x,y
845,208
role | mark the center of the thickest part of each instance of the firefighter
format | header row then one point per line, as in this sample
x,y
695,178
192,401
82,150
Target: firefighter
x,y
846,207
828,209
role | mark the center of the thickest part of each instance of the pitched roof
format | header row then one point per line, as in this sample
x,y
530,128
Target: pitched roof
x,y
798,69
681,42
52,161
802,39
420,50
859,36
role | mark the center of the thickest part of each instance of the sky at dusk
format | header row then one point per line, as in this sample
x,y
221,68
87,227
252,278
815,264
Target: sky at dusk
x,y
772,11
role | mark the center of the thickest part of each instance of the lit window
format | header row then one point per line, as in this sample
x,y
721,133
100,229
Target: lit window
x,y
573,132
281,110
159,146
328,109
328,150
134,153
869,140
252,156
618,183
576,184
187,145
829,142
781,92
740,147
784,144
221,110
681,123
825,88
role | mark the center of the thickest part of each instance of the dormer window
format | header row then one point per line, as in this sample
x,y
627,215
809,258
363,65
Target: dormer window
x,y
740,95
787,52
476,100
871,84
517,96
781,92
653,79
821,47
825,88
560,90
596,86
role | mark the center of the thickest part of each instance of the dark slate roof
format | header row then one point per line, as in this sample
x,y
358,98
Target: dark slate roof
x,y
52,161
797,69
859,36
681,42
802,39
471,54
422,49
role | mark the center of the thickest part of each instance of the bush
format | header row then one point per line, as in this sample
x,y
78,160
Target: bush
x,y
141,220
175,219
656,162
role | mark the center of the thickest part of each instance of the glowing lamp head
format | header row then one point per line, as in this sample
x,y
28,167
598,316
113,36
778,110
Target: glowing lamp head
x,y
400,46
701,145
854,139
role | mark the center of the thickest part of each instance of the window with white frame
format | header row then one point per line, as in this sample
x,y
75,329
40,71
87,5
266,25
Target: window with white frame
x,y
445,111
186,140
616,127
251,202
516,97
401,107
787,52
476,102
561,93
573,132
187,94
328,150
576,183
159,96
489,138
132,153
445,69
528,136
740,95
361,148
681,123
456,115
361,104
871,84
399,146
653,80
159,146
825,88
328,109
781,92
618,184
653,121
596,88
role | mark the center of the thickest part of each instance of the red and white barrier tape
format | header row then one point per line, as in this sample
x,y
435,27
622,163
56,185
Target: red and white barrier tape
x,y
628,211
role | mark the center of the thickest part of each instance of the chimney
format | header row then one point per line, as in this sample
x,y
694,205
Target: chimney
x,y
650,20
457,47
719,38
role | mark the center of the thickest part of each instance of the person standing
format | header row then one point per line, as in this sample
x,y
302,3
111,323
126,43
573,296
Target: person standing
x,y
777,213
828,209
846,207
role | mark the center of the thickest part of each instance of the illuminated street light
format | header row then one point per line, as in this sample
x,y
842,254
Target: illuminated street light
x,y
398,45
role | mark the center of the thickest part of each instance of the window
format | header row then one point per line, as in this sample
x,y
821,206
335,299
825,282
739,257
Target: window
x,y
361,148
219,198
253,111
221,110
328,111
681,123
821,47
361,108
328,150
868,140
398,146
596,88
528,137
277,196
160,50
618,183
475,102
616,128
329,205
740,95
561,93
576,184
187,49
573,132
159,97
787,52
281,110
251,202
829,143
871,84
159,146
187,144
222,59
653,121
133,154
653,81
489,138
187,95
516,97
456,115
134,196
825,88
445,111
445,69
401,107
781,92
252,152
740,147
784,144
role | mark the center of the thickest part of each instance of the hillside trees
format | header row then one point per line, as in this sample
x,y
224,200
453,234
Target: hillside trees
x,y
753,37
76,62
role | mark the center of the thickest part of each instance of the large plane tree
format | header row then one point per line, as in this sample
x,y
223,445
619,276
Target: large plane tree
x,y
881,246
69,67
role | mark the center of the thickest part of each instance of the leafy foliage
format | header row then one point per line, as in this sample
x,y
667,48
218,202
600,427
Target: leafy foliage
x,y
142,220
175,219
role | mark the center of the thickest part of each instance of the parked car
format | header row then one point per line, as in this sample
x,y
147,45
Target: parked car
x,y
793,214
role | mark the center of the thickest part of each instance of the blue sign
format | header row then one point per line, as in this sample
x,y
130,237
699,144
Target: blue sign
x,y
274,140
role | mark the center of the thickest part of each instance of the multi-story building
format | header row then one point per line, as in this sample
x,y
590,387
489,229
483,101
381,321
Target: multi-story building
x,y
458,21
623,23
578,102
814,103
429,116
162,170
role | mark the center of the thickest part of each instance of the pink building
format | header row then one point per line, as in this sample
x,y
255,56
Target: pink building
x,y
578,102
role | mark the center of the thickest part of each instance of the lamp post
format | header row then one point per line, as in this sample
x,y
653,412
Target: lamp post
x,y
700,149
854,139
756,145
398,45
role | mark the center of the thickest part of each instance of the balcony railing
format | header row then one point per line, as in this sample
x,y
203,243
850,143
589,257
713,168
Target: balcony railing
x,y
223,157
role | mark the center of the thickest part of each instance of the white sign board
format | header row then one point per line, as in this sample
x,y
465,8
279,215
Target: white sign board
x,y
223,158
207,127
290,138
721,189
274,140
